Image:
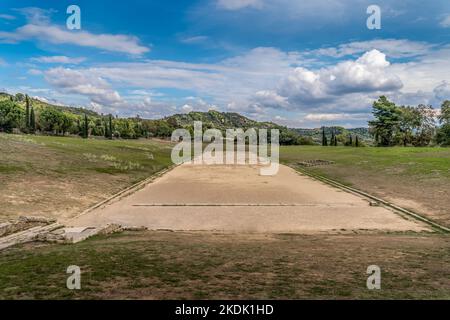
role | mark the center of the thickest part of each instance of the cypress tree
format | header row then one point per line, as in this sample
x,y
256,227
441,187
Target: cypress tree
x,y
356,141
106,129
350,142
85,127
324,138
32,120
27,112
333,137
110,127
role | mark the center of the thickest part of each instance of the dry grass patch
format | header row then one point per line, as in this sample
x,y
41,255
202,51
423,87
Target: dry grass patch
x,y
180,265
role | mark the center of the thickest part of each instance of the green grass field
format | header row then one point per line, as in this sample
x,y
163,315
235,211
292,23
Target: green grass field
x,y
415,178
421,163
136,157
61,176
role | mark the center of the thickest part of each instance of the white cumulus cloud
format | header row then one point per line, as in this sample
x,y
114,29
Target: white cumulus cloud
x,y
445,22
40,28
59,59
394,48
77,82
7,17
239,4
187,108
369,73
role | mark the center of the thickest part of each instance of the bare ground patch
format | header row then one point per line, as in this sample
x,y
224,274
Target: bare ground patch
x,y
238,198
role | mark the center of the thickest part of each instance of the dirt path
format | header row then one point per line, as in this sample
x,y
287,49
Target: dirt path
x,y
237,198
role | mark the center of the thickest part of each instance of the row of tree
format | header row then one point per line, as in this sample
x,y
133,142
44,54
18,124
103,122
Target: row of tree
x,y
392,124
406,125
18,114
346,140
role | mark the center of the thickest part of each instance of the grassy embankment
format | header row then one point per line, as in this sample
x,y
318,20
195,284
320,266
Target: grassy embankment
x,y
61,176
415,178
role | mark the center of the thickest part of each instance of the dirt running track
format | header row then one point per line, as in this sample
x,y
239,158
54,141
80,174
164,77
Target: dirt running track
x,y
237,198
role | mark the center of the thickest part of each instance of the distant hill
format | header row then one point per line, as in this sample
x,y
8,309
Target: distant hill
x,y
316,134
362,132
74,110
228,120
39,104
219,120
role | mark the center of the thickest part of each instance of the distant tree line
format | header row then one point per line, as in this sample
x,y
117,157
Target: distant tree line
x,y
392,125
18,114
344,138
410,126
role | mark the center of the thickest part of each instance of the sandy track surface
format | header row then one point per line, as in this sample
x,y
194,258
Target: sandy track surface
x,y
237,198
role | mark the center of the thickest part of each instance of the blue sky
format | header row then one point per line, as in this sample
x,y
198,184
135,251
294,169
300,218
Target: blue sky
x,y
299,63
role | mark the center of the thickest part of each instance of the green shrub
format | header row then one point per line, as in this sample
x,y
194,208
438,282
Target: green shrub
x,y
11,115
